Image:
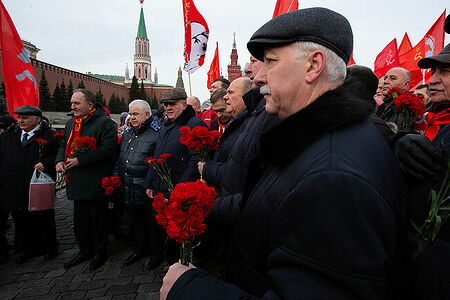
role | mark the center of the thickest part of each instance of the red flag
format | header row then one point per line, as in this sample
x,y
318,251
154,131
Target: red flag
x,y
387,59
214,69
284,6
196,34
405,45
18,74
431,44
239,76
351,61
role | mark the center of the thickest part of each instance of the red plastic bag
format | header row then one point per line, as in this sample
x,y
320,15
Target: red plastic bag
x,y
42,192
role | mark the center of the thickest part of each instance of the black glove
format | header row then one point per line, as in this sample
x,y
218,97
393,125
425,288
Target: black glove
x,y
418,157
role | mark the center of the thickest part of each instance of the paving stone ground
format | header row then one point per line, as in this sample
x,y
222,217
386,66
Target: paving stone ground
x,y
40,279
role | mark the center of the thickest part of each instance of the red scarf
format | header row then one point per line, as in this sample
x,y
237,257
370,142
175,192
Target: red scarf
x,y
75,132
431,122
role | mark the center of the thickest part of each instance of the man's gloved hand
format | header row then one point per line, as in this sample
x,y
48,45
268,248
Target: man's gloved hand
x,y
418,157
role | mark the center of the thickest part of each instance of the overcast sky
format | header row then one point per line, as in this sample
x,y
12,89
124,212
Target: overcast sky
x,y
99,35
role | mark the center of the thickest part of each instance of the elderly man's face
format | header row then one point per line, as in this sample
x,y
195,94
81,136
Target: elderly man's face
x,y
395,77
27,123
194,103
379,92
79,105
233,97
422,92
174,109
138,116
440,83
283,77
253,67
214,87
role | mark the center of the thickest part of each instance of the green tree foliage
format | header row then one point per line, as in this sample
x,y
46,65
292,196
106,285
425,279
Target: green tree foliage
x,y
154,103
45,98
99,98
114,104
134,89
69,93
64,96
3,107
57,99
142,94
123,105
81,85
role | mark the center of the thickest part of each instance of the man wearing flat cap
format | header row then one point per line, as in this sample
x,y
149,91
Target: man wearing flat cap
x,y
182,163
432,268
321,220
35,232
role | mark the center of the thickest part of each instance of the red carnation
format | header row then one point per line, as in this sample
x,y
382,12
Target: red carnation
x,y
394,92
110,184
86,142
59,134
41,141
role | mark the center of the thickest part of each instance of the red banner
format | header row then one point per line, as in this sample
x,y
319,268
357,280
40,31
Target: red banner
x,y
196,34
284,6
214,69
18,74
387,59
405,45
351,61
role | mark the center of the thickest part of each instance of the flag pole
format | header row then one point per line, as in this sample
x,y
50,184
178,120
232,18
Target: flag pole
x,y
423,76
190,88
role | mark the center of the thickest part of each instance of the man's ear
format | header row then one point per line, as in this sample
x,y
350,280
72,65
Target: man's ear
x,y
91,105
315,66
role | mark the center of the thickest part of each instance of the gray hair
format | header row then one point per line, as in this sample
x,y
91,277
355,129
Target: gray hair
x,y
335,67
142,104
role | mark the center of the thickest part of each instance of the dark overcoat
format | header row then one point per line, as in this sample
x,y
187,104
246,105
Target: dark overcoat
x,y
322,218
85,180
17,163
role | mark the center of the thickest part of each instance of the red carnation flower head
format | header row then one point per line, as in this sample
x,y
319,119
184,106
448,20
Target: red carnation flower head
x,y
41,141
394,92
150,161
59,134
185,130
165,156
86,142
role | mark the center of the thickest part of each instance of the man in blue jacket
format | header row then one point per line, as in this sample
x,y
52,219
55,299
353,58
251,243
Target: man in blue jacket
x,y
321,213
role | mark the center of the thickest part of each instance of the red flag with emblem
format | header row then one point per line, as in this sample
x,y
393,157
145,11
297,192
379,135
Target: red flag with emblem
x,y
431,44
196,34
405,45
18,74
214,69
386,59
284,6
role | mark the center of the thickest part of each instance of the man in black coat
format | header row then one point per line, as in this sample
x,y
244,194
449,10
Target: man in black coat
x,y
182,162
85,173
213,170
137,144
35,232
321,217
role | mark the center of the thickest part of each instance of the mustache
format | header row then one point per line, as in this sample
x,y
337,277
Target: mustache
x,y
436,89
265,90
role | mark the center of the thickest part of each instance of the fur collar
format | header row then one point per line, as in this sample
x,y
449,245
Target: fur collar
x,y
335,109
187,114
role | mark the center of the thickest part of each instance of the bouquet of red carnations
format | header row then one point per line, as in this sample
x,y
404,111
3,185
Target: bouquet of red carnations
x,y
408,105
183,214
110,184
82,144
200,139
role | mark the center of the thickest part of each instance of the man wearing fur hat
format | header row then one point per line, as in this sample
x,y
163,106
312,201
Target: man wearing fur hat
x,y
322,219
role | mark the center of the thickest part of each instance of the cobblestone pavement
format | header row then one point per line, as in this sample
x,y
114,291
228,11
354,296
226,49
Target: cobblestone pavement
x,y
39,279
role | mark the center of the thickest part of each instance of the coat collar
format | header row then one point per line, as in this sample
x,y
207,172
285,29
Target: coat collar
x,y
252,98
187,114
333,110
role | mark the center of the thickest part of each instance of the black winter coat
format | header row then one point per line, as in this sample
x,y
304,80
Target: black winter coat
x,y
214,169
323,219
17,163
85,180
183,162
246,146
136,145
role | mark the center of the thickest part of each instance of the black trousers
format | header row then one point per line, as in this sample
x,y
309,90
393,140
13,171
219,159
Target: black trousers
x,y
145,233
90,223
3,242
35,232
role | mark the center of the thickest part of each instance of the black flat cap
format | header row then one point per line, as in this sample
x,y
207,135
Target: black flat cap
x,y
7,120
443,57
319,25
172,95
447,24
28,110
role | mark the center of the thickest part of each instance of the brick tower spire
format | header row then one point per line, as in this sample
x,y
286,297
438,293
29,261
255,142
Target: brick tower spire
x,y
234,69
180,83
142,59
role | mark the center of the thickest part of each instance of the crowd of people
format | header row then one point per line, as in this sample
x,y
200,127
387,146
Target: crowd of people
x,y
316,183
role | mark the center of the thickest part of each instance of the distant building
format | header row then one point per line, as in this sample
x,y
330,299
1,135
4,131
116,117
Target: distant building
x,y
234,69
180,83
